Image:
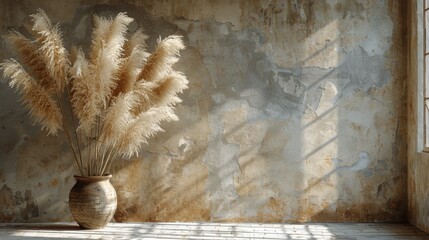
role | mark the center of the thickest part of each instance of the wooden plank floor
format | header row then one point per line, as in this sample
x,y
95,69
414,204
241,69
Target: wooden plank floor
x,y
352,231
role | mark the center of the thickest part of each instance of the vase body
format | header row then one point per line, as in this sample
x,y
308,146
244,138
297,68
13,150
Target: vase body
x,y
92,201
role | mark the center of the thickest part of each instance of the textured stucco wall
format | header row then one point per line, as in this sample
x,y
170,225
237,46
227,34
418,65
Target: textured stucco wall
x,y
418,167
295,112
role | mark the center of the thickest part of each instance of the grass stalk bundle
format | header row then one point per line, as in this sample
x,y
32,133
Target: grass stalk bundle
x,y
107,103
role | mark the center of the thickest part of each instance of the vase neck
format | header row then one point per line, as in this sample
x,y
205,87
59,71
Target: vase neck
x,y
93,178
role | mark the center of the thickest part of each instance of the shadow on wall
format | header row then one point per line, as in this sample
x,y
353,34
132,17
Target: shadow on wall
x,y
364,151
317,141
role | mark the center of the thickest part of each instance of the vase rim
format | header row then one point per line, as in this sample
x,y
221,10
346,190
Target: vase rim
x,y
93,178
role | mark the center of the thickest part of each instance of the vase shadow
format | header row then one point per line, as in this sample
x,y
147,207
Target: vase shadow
x,y
43,226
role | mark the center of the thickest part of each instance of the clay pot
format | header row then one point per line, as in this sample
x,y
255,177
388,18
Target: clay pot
x,y
92,201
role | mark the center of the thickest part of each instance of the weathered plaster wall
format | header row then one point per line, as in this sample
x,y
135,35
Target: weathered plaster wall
x,y
418,180
295,112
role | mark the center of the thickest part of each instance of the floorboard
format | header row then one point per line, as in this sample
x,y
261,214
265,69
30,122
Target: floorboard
x,y
239,231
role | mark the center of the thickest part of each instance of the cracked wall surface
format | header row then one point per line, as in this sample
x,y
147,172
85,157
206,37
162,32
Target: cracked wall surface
x,y
295,113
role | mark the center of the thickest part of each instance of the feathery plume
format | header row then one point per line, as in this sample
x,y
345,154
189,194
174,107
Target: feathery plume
x,y
117,116
30,56
164,57
136,41
143,127
107,45
42,108
84,96
146,96
134,56
168,88
80,67
51,48
162,93
41,21
157,67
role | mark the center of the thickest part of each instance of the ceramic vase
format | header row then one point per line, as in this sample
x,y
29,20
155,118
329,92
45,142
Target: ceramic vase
x,y
92,201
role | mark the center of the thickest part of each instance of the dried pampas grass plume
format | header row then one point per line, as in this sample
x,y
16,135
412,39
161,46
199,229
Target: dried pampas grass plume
x,y
107,46
51,49
43,109
29,55
118,115
168,88
142,128
84,96
163,58
109,102
134,57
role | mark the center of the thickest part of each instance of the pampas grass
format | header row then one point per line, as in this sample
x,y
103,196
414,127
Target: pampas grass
x,y
43,109
107,103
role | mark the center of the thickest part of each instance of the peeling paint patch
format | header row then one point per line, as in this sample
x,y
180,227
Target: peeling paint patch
x,y
18,206
6,204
